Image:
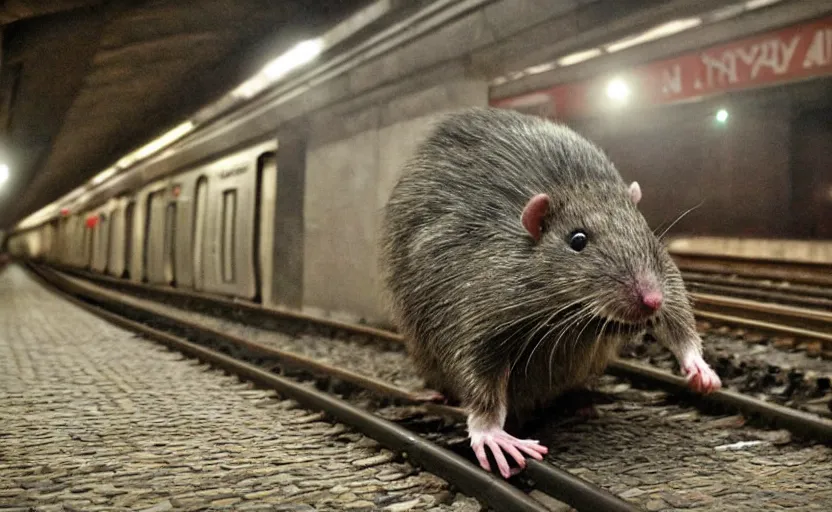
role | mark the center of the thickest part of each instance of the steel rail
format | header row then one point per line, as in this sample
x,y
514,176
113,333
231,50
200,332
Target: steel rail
x,y
824,338
576,492
799,422
289,359
226,307
816,427
808,323
753,293
791,312
807,273
787,288
479,484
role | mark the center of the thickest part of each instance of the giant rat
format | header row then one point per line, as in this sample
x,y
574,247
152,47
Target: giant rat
x,y
518,264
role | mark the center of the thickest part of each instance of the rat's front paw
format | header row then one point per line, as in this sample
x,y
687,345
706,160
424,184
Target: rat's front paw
x,y
497,440
701,377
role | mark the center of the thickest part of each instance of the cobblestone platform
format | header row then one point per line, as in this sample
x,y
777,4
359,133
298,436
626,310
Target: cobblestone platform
x,y
94,418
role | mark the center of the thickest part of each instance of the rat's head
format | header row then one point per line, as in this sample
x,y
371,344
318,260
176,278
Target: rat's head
x,y
595,251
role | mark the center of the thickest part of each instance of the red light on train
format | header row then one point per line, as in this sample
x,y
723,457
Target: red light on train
x,y
92,220
64,212
176,191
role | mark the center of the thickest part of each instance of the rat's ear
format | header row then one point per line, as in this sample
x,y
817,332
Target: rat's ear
x,y
533,214
635,192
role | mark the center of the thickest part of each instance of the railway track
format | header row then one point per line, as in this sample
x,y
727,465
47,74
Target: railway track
x,y
784,293
391,392
803,273
791,299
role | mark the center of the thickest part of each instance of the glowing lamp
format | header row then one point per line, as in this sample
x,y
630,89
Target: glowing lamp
x,y
618,90
92,220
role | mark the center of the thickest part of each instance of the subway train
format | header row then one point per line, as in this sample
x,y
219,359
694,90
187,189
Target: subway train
x,y
207,228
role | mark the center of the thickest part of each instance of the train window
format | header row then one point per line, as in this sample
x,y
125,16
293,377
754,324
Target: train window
x,y
229,214
170,245
200,211
128,237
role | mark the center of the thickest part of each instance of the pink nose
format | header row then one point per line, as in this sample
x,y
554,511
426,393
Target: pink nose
x,y
652,300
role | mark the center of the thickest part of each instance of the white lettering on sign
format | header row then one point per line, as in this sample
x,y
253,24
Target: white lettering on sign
x,y
820,51
672,80
774,54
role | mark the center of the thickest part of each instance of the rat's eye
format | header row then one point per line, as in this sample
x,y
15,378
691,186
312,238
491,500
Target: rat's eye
x,y
578,240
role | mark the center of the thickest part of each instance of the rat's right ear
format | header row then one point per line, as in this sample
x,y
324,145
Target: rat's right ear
x,y
635,192
534,213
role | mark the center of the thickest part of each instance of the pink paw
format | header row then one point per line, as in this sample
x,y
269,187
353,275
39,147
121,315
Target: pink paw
x,y
701,378
498,441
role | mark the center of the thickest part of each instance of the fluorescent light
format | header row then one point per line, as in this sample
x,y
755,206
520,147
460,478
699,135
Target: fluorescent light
x,y
581,56
156,145
618,90
725,13
4,173
251,87
658,32
300,54
104,175
750,5
722,115
540,68
165,140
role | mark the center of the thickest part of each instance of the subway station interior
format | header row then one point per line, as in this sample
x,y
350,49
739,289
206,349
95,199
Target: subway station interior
x,y
428,255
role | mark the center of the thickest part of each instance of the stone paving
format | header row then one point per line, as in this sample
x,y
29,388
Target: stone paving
x,y
94,418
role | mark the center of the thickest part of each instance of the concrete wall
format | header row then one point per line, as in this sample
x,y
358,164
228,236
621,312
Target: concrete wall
x,y
736,176
353,161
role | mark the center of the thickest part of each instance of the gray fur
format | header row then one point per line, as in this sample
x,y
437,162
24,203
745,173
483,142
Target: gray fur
x,y
475,295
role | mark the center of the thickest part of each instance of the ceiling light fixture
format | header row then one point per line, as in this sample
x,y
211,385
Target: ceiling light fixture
x,y
657,32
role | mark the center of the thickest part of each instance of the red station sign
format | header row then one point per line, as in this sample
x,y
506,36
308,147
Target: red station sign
x,y
793,53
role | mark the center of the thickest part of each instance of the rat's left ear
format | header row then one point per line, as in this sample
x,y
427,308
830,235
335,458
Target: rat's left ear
x,y
533,214
635,192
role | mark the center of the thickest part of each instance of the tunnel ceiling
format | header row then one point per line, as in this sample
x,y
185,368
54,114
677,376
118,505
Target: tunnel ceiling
x,y
82,82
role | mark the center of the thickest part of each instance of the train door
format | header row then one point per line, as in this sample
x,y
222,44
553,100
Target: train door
x,y
264,244
148,223
111,237
228,238
88,247
129,213
102,236
169,245
198,248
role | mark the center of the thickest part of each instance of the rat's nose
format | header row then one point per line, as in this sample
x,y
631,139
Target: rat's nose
x,y
652,300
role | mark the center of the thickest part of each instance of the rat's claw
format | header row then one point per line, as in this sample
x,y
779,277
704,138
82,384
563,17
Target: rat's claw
x,y
701,377
499,441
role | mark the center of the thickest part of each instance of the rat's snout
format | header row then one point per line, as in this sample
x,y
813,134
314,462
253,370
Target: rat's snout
x,y
648,294
651,300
